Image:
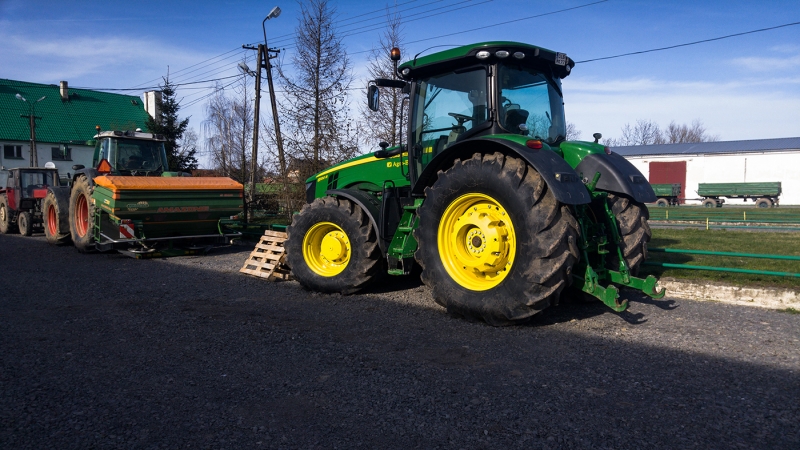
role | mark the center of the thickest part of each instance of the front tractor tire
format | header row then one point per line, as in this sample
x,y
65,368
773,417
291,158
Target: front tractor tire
x,y
56,219
635,232
25,223
493,241
81,215
6,224
332,247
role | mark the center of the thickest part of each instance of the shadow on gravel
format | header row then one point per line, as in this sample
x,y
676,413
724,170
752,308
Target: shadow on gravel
x,y
119,353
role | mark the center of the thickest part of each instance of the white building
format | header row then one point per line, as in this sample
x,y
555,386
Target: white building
x,y
760,160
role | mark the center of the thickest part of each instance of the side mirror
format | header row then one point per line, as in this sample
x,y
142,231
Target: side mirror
x,y
373,97
78,167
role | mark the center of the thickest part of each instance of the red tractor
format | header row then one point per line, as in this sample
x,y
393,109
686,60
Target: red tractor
x,y
22,197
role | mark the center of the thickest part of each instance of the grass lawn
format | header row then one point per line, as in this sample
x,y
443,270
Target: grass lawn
x,y
726,241
737,214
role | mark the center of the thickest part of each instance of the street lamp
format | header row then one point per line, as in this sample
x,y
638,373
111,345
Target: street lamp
x,y
263,59
34,159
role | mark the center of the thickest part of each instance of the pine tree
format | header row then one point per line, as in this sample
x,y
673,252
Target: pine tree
x,y
168,124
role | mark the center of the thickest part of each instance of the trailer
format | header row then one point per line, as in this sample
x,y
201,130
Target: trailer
x,y
668,194
763,194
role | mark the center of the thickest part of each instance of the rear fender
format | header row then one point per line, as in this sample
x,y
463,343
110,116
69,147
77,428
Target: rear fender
x,y
368,203
617,175
561,179
90,173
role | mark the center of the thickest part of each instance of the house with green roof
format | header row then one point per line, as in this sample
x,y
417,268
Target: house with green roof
x,y
65,120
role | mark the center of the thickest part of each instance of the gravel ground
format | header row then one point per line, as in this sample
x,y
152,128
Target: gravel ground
x,y
102,351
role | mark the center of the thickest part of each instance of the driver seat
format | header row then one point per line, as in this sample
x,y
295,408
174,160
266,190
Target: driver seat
x,y
514,118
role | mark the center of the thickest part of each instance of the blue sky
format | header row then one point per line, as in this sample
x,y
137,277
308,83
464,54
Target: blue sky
x,y
745,87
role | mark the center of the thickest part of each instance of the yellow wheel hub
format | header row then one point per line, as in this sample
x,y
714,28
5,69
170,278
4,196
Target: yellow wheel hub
x,y
476,241
326,249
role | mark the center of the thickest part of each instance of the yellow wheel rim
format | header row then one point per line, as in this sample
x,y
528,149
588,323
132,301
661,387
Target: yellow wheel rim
x,y
326,249
476,241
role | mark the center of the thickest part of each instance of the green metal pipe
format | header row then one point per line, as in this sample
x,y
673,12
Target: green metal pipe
x,y
722,269
722,227
736,254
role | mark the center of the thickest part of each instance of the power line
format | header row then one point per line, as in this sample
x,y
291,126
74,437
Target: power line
x,y
507,22
153,87
382,25
689,43
201,62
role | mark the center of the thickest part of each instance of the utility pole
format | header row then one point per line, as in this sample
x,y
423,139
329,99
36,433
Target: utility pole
x,y
34,158
264,60
254,161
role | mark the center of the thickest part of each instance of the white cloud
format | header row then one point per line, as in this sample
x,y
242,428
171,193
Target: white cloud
x,y
92,61
767,64
742,109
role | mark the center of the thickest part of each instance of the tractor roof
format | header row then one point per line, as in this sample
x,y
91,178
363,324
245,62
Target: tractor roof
x,y
493,51
130,135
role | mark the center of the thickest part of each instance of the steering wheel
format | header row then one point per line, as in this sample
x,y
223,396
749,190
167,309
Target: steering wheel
x,y
461,118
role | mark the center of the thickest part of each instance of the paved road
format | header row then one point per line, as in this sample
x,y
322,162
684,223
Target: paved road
x,y
101,351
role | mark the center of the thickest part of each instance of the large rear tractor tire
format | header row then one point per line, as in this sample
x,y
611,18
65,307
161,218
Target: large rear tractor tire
x,y
56,219
332,247
632,218
81,215
494,243
7,226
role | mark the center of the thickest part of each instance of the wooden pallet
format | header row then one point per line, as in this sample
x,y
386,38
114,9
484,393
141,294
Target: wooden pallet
x,y
267,259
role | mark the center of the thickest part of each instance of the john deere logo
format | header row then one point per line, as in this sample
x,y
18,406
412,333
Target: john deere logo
x,y
136,206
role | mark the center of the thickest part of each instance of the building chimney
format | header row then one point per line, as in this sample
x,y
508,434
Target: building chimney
x,y
64,90
152,103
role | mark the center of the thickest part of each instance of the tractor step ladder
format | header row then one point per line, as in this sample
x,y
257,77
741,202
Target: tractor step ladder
x,y
267,259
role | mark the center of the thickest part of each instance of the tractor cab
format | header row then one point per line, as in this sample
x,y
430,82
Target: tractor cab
x,y
25,186
21,197
498,89
130,153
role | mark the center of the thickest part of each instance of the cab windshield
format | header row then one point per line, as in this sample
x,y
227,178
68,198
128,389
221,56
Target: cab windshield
x,y
530,104
134,156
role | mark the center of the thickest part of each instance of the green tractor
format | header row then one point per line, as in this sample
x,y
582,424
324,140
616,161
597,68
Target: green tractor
x,y
501,212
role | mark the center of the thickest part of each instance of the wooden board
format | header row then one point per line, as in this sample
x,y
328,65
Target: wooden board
x,y
267,259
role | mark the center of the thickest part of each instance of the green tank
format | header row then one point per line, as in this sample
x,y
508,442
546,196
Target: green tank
x,y
160,207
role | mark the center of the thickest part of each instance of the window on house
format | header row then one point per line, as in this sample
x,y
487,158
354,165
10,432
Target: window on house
x,y
62,153
12,151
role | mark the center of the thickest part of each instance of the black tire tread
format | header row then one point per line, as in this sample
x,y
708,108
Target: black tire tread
x,y
366,260
543,265
635,232
7,226
63,236
81,186
25,223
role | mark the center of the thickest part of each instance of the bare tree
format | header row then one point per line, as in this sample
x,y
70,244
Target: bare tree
x,y
386,125
647,132
320,130
187,149
696,132
228,131
573,133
